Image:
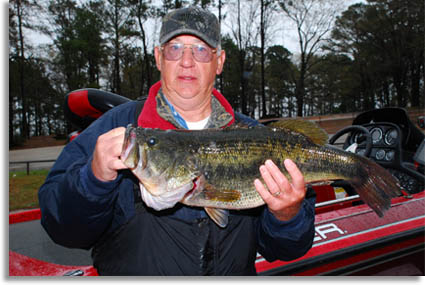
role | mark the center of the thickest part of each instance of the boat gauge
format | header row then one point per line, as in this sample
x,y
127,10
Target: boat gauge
x,y
380,154
391,136
376,134
390,155
359,138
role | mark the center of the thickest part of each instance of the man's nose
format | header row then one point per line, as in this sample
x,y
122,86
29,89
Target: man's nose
x,y
187,59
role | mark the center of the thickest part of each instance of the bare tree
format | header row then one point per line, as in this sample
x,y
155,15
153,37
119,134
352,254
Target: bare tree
x,y
220,18
142,10
313,20
267,9
120,25
245,33
20,19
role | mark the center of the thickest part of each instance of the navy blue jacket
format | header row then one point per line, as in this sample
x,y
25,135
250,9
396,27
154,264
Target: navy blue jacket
x,y
77,209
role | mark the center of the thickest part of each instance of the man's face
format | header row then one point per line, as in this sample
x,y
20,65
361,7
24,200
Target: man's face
x,y
187,77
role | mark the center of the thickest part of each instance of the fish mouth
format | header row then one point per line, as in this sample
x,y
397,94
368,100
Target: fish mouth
x,y
129,143
133,155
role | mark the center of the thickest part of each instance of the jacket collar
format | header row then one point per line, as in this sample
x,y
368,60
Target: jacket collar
x,y
149,117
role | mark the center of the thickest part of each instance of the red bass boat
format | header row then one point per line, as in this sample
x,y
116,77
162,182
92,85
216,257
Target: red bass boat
x,y
350,238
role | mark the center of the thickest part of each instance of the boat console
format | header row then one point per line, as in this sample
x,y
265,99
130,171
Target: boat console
x,y
396,144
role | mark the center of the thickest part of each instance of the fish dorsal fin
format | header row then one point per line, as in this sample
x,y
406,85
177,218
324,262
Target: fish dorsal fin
x,y
307,128
219,216
238,125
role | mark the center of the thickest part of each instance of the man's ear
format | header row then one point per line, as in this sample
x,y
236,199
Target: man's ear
x,y
158,56
220,62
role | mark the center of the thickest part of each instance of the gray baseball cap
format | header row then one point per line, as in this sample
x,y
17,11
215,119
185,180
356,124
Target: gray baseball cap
x,y
191,21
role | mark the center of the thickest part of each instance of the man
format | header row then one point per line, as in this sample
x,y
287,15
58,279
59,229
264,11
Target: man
x,y
90,200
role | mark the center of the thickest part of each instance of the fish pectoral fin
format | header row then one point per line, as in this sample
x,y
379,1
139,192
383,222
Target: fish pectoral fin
x,y
219,216
222,195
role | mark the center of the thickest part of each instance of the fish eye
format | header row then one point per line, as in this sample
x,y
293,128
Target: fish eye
x,y
151,141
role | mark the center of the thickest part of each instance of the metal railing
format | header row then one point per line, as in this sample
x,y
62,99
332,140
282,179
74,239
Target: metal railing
x,y
336,201
28,162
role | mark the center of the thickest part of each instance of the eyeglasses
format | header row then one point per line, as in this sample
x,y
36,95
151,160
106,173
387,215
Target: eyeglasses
x,y
200,52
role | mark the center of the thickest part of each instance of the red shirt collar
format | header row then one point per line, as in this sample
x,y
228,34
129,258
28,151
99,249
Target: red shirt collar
x,y
149,117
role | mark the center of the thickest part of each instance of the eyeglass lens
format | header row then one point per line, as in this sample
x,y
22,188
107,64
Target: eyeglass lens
x,y
174,51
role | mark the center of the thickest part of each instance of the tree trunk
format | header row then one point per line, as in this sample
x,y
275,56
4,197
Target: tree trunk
x,y
415,83
241,62
11,114
24,123
300,89
146,61
220,77
117,79
262,35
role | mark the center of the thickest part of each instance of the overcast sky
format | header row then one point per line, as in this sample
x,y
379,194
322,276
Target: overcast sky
x,y
283,34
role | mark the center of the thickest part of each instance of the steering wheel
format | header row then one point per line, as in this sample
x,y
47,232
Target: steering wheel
x,y
352,148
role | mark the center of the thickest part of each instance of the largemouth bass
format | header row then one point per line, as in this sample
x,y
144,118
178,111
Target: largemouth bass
x,y
217,167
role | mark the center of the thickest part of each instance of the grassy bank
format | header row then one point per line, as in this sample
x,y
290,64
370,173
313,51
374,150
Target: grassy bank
x,y
23,189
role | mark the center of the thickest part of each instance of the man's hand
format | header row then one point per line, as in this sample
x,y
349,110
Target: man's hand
x,y
284,199
106,158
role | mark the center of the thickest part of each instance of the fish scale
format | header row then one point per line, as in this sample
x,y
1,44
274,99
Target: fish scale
x,y
217,167
223,171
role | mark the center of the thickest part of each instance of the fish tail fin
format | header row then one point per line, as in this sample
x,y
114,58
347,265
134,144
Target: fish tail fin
x,y
375,186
